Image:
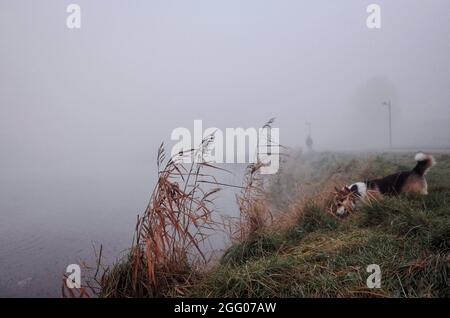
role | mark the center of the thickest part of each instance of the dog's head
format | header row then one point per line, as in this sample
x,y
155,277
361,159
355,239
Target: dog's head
x,y
343,201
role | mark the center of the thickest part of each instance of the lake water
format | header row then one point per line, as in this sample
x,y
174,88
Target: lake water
x,y
51,217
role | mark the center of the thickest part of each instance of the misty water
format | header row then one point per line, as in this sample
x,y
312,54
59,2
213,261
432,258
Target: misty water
x,y
52,218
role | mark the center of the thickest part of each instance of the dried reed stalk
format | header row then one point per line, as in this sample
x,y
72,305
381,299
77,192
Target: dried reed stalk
x,y
166,253
255,211
173,228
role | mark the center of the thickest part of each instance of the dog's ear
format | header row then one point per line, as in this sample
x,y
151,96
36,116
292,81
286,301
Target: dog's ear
x,y
337,190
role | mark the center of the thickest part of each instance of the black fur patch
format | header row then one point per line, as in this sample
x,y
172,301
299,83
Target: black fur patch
x,y
421,167
354,190
390,185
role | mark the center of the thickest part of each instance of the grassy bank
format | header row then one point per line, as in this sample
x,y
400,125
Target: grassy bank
x,y
304,251
315,255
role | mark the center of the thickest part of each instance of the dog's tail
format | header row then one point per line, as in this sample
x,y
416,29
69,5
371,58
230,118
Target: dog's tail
x,y
424,163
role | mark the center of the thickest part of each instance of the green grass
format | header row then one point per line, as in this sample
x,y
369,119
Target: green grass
x,y
320,256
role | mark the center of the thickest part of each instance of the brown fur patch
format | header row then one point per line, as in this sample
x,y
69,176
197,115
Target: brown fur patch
x,y
415,184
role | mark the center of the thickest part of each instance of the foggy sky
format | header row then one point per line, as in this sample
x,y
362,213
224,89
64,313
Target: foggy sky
x,y
113,90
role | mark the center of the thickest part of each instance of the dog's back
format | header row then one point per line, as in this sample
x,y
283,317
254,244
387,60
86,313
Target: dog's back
x,y
390,185
405,181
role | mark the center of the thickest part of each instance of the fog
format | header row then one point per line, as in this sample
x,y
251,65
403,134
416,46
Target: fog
x,y
83,111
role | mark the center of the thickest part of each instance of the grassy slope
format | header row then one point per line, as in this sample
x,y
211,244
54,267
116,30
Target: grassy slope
x,y
319,256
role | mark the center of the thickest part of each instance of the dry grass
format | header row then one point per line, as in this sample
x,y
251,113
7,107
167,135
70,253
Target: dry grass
x,y
170,235
318,193
255,214
166,258
255,210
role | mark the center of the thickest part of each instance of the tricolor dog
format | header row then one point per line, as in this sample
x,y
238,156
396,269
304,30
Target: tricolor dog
x,y
412,181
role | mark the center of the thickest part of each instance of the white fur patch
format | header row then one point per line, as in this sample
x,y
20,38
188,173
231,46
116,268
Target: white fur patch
x,y
340,211
362,188
421,157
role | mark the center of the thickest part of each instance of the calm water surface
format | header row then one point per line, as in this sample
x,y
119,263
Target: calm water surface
x,y
51,217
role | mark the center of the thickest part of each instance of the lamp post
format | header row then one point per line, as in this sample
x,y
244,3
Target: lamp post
x,y
388,104
309,141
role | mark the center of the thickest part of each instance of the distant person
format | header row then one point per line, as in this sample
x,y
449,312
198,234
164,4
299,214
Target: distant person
x,y
309,143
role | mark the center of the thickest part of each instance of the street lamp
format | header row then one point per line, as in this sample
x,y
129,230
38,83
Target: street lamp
x,y
388,104
309,141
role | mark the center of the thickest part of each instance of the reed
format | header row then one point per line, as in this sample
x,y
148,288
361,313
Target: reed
x,y
167,251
